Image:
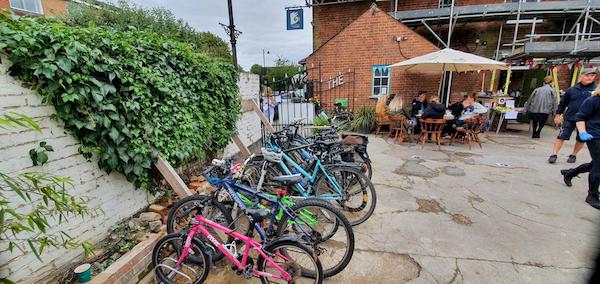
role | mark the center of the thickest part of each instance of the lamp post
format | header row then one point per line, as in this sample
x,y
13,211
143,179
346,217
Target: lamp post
x,y
232,33
264,67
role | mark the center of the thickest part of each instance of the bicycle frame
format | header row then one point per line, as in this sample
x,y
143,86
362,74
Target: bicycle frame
x,y
200,221
279,208
317,168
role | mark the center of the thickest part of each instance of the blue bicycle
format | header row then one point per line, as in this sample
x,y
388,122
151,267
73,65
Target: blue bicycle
x,y
347,186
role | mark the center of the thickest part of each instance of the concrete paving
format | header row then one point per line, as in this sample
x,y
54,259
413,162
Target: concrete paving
x,y
500,214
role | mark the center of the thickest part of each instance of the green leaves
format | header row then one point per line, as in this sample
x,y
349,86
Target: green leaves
x,y
125,95
38,155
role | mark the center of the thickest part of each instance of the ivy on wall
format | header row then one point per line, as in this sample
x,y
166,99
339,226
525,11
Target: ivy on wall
x,y
126,95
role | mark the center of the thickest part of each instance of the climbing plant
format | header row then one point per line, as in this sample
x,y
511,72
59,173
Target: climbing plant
x,y
126,95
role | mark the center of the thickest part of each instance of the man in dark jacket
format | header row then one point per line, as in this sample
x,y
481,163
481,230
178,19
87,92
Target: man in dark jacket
x,y
568,107
434,110
588,124
419,103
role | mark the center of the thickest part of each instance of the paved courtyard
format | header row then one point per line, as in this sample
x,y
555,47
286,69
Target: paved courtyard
x,y
497,215
500,214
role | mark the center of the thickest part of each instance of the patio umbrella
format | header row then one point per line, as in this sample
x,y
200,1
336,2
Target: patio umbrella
x,y
449,59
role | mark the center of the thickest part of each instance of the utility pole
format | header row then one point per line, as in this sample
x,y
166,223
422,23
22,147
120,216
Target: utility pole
x,y
232,33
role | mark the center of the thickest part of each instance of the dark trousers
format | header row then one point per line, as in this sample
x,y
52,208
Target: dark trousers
x,y
592,167
539,121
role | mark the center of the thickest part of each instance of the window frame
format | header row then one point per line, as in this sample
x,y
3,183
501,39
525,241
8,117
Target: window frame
x,y
39,2
389,80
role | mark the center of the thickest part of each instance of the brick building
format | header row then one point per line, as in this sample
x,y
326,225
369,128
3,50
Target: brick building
x,y
355,39
56,8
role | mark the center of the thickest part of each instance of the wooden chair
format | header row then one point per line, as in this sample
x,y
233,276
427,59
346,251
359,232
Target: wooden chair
x,y
470,132
383,120
431,127
396,128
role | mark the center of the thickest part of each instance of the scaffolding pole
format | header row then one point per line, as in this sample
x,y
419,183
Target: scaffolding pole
x,y
512,49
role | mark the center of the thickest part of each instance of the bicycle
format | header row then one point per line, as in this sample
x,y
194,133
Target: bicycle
x,y
339,183
317,222
275,255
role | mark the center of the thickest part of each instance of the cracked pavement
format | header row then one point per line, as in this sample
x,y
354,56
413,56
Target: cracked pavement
x,y
500,214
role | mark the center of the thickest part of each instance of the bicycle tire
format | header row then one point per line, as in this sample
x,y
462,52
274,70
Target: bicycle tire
x,y
340,221
201,199
366,188
171,238
317,275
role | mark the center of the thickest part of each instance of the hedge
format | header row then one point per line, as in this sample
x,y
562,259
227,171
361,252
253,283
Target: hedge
x,y
126,95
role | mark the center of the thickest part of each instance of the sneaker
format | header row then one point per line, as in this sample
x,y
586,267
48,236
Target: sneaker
x,y
572,159
594,202
566,177
552,159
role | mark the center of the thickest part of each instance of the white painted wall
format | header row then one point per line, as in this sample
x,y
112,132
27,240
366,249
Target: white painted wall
x,y
113,194
248,124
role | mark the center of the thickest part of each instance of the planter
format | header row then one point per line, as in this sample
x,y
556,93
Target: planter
x,y
363,130
130,266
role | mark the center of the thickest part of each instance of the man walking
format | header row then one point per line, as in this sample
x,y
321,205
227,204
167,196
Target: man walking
x,y
588,124
540,104
568,107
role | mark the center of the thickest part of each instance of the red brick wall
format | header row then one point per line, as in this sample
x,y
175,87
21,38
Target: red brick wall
x,y
369,41
328,20
50,7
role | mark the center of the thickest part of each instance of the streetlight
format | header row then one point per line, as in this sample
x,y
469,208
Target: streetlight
x,y
264,67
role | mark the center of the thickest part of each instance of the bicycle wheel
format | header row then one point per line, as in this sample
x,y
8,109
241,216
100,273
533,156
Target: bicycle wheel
x,y
331,234
166,253
187,208
296,259
360,198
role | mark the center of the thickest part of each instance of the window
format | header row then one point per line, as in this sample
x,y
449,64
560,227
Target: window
x,y
30,6
445,3
381,80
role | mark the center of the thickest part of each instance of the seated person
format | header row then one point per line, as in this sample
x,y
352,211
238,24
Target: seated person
x,y
396,107
434,110
418,106
471,109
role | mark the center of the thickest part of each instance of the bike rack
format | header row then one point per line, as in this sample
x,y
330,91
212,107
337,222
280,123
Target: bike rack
x,y
175,271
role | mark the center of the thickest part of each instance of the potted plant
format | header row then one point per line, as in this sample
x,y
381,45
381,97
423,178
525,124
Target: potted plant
x,y
364,119
320,120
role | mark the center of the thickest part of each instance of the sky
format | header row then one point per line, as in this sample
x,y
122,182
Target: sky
x,y
262,23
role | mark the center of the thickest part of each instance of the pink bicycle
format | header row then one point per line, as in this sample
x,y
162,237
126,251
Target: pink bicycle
x,y
182,258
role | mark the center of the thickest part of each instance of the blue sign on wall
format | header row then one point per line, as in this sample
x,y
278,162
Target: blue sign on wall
x,y
295,19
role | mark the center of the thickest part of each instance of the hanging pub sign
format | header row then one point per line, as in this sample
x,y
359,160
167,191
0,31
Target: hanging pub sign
x,y
295,19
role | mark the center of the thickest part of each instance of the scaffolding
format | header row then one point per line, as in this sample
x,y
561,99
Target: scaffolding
x,y
579,41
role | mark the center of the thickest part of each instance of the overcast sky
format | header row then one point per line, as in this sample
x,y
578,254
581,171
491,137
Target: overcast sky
x,y
262,24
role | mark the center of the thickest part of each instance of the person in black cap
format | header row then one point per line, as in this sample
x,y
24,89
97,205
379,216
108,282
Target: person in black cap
x,y
588,124
568,107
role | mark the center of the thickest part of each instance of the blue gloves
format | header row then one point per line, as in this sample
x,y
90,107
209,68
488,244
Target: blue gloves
x,y
584,136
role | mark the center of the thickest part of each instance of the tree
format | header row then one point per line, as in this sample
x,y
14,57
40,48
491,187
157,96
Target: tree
x,y
280,62
125,16
256,69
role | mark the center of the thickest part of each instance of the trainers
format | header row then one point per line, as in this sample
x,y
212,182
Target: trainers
x,y
572,159
552,159
594,202
566,177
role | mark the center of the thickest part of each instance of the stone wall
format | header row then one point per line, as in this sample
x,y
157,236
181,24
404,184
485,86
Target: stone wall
x,y
112,194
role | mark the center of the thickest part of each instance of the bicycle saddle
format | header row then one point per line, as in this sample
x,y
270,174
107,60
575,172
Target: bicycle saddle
x,y
288,180
258,214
